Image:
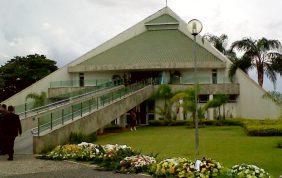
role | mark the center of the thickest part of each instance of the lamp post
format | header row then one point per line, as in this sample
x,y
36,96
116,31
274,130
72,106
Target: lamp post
x,y
195,27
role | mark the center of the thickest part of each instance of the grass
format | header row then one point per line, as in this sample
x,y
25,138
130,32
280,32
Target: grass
x,y
227,144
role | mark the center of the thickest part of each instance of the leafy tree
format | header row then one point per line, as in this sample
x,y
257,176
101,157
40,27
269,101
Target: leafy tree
x,y
22,71
263,55
38,99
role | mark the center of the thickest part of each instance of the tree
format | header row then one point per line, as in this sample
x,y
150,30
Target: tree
x,y
164,92
38,99
189,103
22,71
221,43
263,54
243,63
218,101
275,96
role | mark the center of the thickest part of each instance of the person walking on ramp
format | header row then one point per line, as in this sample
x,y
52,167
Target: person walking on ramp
x,y
12,129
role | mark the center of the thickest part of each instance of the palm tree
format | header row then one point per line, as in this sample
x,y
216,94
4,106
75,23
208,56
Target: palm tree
x,y
243,63
274,96
164,92
262,54
39,99
221,43
218,101
188,98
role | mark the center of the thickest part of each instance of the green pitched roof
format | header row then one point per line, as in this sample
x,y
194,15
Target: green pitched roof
x,y
163,19
151,50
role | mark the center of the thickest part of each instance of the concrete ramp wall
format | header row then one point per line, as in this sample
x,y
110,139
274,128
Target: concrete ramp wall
x,y
93,121
30,121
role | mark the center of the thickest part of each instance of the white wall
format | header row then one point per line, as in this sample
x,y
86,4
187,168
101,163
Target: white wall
x,y
251,103
204,75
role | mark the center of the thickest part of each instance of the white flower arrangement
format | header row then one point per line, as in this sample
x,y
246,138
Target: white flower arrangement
x,y
181,167
116,147
136,164
129,162
250,171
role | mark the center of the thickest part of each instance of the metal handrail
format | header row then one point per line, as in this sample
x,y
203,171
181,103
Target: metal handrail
x,y
109,98
75,83
61,102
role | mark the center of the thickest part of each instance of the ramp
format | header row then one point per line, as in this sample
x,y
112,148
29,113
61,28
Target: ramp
x,y
92,115
30,120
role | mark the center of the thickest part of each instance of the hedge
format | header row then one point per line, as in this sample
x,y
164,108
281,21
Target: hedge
x,y
251,127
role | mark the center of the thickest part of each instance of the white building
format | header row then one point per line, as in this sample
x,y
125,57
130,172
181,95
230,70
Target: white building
x,y
160,46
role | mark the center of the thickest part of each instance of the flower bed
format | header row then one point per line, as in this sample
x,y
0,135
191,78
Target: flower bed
x,y
171,167
136,164
180,167
250,171
112,155
64,152
123,159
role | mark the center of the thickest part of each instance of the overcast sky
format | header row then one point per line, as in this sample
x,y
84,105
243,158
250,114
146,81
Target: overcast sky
x,y
65,29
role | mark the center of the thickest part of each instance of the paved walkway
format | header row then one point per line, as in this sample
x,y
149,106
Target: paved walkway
x,y
25,166
23,143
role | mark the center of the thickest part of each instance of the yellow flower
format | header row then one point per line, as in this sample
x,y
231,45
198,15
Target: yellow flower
x,y
172,170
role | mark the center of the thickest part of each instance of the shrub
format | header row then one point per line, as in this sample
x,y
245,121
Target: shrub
x,y
158,123
76,138
112,128
263,127
252,127
179,123
170,122
191,124
264,130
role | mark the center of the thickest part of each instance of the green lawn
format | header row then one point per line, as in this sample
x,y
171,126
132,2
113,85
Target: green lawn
x,y
228,145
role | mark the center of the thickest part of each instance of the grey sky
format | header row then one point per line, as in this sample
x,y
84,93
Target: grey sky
x,y
65,29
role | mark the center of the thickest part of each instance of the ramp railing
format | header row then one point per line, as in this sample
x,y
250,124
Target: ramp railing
x,y
30,112
49,120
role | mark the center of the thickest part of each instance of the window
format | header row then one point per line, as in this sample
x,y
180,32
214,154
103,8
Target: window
x,y
203,98
81,79
214,76
233,98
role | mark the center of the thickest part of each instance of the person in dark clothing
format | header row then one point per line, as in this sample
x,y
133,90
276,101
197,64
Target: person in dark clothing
x,y
12,128
3,112
133,120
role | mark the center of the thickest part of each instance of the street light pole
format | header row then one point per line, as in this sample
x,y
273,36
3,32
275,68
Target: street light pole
x,y
195,27
196,102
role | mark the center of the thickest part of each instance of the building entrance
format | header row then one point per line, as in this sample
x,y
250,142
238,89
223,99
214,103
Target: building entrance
x,y
142,75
